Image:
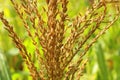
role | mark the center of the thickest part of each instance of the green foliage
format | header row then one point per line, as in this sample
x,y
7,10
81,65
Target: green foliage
x,y
4,70
101,62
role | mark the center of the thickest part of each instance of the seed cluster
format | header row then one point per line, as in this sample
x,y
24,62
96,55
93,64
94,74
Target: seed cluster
x,y
60,42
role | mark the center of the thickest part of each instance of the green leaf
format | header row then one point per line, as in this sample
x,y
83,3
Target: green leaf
x,y
101,63
4,71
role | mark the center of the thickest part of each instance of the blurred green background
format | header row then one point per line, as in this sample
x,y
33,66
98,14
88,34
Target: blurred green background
x,y
104,56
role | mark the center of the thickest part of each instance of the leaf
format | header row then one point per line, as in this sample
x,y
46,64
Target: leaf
x,y
101,63
4,71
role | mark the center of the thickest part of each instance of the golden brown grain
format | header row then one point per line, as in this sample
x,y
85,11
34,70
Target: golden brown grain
x,y
56,61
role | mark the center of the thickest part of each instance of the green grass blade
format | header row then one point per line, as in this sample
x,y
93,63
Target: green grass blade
x,y
101,63
4,71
